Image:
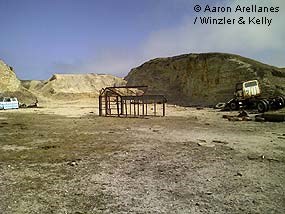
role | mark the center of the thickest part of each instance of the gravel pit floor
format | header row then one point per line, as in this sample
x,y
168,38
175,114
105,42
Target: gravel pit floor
x,y
191,161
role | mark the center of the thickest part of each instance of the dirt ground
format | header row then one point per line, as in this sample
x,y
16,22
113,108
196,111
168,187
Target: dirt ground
x,y
59,159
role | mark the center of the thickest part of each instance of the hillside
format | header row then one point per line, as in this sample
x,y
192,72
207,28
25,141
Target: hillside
x,y
8,79
73,86
10,85
59,86
205,79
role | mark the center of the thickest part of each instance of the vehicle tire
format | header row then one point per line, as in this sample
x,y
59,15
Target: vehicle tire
x,y
268,107
220,106
262,106
234,106
274,117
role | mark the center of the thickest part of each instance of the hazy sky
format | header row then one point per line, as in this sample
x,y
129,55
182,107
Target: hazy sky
x,y
42,37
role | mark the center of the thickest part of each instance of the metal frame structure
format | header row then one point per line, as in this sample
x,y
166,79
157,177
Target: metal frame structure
x,y
130,101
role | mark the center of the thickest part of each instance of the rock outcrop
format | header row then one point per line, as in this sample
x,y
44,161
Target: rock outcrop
x,y
8,79
205,79
10,85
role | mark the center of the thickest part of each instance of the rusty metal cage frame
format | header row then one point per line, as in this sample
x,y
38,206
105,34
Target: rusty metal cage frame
x,y
134,105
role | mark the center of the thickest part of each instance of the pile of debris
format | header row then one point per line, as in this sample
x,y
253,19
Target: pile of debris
x,y
270,117
242,116
265,117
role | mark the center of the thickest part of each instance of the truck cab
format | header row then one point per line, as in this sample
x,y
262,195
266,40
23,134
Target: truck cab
x,y
9,103
248,89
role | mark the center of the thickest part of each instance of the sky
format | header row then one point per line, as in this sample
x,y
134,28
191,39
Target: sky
x,y
41,37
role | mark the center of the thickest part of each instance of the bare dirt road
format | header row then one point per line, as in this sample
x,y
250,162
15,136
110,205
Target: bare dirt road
x,y
192,161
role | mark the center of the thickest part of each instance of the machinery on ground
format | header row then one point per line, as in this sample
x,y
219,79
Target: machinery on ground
x,y
248,95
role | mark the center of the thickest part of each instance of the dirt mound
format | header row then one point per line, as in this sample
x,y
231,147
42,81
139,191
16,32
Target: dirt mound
x,y
205,79
33,85
74,86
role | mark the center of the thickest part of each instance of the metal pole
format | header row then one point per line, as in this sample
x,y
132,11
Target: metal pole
x,y
106,105
130,107
117,102
134,108
126,107
146,109
154,106
109,105
122,106
138,107
100,105
143,107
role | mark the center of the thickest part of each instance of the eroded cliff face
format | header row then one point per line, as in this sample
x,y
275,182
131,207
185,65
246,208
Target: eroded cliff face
x,y
10,85
8,80
205,79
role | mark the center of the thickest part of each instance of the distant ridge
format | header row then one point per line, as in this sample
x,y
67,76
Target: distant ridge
x,y
74,86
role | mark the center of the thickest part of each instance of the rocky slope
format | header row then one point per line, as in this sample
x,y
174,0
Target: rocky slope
x,y
8,79
10,85
205,79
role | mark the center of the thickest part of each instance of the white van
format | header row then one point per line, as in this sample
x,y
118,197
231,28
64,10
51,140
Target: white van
x,y
9,103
